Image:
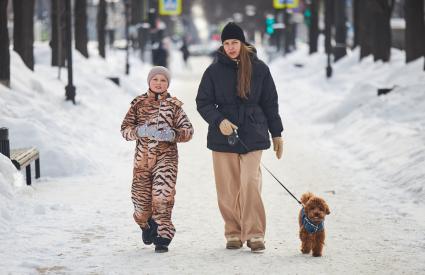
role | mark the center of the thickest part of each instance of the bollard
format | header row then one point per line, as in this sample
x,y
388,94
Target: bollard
x,y
4,142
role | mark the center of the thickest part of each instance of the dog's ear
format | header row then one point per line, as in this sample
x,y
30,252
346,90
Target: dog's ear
x,y
327,209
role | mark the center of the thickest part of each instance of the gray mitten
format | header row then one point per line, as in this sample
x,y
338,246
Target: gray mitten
x,y
142,131
147,131
152,132
166,134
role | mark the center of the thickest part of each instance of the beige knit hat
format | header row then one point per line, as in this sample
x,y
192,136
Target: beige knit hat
x,y
159,70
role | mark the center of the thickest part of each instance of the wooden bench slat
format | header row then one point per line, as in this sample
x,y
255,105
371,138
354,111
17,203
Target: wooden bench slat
x,y
23,156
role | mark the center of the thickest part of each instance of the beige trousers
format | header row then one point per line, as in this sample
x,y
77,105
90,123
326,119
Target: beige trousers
x,y
238,183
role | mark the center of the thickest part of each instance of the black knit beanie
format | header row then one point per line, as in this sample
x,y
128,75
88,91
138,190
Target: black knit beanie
x,y
232,31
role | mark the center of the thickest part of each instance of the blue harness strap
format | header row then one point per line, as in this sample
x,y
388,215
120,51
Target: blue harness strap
x,y
309,225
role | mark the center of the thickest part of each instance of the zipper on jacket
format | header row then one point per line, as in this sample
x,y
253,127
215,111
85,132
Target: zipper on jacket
x,y
157,118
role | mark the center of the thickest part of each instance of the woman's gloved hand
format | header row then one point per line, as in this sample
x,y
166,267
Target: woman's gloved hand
x,y
278,146
226,127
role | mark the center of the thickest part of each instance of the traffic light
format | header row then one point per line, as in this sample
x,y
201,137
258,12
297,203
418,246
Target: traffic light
x,y
307,16
269,25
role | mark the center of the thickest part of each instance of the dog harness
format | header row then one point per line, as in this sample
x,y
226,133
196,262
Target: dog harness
x,y
309,225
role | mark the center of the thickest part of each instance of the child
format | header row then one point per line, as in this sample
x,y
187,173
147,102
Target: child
x,y
157,122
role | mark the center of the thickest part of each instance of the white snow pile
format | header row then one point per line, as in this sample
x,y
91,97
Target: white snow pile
x,y
385,134
10,182
70,138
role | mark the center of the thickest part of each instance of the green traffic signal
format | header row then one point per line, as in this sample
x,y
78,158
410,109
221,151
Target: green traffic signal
x,y
307,17
269,25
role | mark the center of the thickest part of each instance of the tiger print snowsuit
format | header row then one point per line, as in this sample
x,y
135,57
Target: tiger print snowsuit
x,y
155,162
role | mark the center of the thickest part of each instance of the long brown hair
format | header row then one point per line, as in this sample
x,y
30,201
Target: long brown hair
x,y
244,71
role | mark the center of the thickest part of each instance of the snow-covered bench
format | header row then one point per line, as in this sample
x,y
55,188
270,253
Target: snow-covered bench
x,y
21,157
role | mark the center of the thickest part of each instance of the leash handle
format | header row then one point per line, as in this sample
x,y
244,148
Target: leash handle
x,y
235,136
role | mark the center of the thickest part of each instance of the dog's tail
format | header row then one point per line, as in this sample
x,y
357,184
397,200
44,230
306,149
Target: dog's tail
x,y
306,196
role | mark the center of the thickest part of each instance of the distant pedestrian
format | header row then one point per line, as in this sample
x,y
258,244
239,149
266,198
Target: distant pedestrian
x,y
185,52
156,121
160,55
237,93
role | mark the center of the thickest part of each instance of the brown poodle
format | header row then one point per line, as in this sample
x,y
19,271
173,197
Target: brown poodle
x,y
311,220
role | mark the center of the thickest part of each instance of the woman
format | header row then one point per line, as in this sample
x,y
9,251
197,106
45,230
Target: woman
x,y
237,93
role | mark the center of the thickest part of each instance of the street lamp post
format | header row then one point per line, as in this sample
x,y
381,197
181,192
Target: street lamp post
x,y
70,88
328,46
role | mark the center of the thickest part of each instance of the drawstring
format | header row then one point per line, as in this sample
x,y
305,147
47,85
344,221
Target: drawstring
x,y
232,141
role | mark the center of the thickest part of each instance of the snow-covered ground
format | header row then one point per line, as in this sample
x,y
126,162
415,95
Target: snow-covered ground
x,y
363,153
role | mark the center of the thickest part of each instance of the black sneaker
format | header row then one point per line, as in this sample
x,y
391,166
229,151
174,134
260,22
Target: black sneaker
x,y
161,248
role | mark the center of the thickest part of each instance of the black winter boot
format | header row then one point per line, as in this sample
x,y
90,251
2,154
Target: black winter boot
x,y
150,232
161,244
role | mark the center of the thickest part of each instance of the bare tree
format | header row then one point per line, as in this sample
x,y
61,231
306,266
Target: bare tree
x,y
365,30
313,30
356,22
4,45
381,10
138,11
138,14
340,21
81,37
57,42
23,30
374,28
101,24
415,29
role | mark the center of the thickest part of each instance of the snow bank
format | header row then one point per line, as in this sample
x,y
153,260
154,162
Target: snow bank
x,y
386,133
70,138
10,181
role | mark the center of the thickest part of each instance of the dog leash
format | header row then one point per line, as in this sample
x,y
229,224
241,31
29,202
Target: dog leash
x,y
234,137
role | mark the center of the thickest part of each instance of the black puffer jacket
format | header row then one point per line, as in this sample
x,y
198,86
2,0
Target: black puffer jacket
x,y
217,99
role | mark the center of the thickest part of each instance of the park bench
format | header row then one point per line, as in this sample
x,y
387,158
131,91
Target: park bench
x,y
22,157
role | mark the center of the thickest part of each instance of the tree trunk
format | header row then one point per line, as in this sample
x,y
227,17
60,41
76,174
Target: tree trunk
x,y
23,30
81,37
381,47
4,46
340,49
356,22
415,29
313,30
101,24
365,28
138,15
57,42
137,11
